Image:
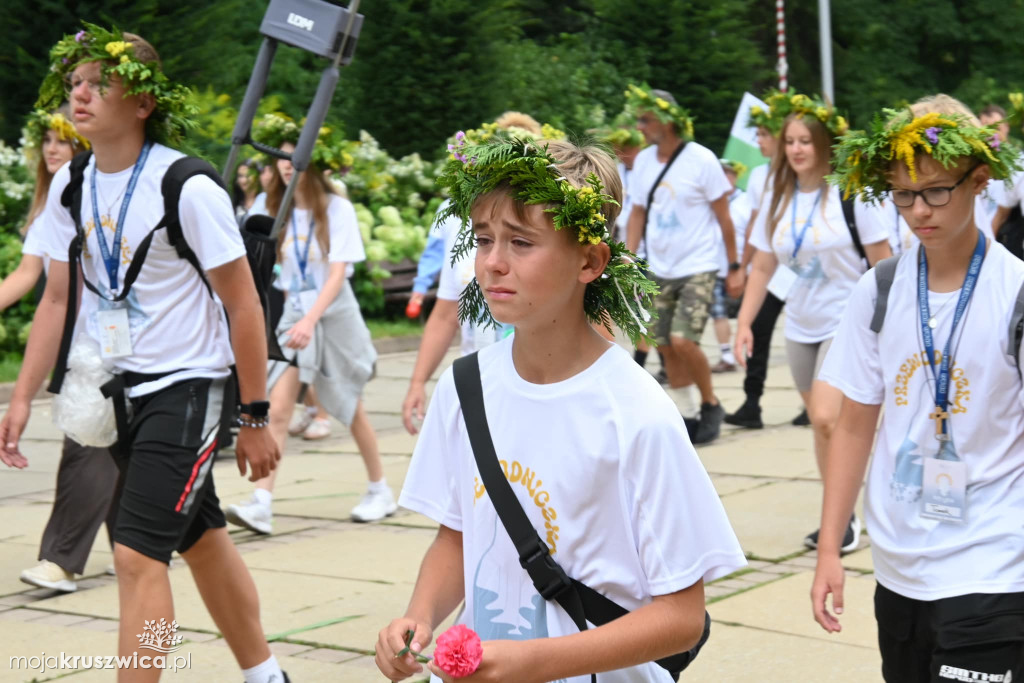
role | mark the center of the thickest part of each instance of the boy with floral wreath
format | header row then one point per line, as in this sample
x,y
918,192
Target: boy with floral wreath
x,y
680,209
596,454
167,341
940,351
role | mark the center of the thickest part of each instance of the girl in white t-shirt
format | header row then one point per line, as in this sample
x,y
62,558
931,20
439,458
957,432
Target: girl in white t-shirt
x,y
805,255
321,332
944,500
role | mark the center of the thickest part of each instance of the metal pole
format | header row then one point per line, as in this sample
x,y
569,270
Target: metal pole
x,y
825,32
780,30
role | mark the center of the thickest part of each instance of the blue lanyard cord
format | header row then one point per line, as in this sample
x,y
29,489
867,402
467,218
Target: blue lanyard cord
x,y
303,257
798,240
112,255
941,373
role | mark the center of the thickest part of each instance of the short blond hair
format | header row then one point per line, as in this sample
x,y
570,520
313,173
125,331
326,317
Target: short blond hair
x,y
943,104
517,119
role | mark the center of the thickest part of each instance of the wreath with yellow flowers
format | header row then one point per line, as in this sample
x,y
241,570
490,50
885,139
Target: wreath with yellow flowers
x,y
779,107
36,125
802,105
640,97
328,152
175,108
864,159
532,173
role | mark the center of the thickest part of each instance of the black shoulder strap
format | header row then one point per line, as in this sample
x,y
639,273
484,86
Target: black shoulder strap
x,y
71,197
657,181
851,222
579,601
1016,335
885,273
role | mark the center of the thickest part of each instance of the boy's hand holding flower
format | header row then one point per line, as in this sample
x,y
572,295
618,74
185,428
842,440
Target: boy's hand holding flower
x,y
398,653
500,661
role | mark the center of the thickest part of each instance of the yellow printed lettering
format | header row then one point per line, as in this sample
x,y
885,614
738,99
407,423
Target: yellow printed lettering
x,y
528,478
517,471
504,467
541,494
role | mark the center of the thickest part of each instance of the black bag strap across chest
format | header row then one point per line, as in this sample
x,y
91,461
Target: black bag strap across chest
x,y
579,601
171,187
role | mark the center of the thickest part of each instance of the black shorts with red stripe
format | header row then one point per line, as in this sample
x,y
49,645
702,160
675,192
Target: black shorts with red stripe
x,y
167,500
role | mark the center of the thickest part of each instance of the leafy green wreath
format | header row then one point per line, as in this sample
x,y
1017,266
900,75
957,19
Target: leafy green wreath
x,y
532,173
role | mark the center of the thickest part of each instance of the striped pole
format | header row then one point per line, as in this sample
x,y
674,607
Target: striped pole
x,y
780,26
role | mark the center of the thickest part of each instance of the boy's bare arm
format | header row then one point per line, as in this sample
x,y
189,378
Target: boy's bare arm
x,y
439,590
848,454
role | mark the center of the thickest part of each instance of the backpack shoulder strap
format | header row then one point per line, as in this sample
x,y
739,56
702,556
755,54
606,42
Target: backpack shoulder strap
x,y
579,601
71,197
1016,335
885,273
174,180
851,223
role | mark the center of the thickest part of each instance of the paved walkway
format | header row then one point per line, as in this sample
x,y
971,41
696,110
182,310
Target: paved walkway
x,y
328,585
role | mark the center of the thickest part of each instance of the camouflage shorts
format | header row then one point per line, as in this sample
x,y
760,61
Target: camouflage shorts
x,y
683,306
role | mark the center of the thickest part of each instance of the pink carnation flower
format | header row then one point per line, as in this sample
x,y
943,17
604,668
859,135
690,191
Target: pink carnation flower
x,y
459,651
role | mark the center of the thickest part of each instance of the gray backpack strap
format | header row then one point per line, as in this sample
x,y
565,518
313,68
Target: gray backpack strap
x,y
885,273
1017,328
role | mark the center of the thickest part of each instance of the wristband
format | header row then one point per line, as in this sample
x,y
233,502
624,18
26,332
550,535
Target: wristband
x,y
256,409
253,422
734,266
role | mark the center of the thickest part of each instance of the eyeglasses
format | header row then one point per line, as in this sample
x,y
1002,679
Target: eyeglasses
x,y
933,196
72,82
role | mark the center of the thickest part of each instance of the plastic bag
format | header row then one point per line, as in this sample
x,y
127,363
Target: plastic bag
x,y
80,409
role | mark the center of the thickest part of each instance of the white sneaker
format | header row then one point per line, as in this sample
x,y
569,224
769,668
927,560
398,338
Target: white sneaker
x,y
46,574
251,515
318,429
301,421
374,506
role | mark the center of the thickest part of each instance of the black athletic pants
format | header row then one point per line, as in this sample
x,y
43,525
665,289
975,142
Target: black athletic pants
x,y
757,365
975,637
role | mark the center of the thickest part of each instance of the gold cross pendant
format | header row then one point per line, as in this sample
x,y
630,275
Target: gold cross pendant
x,y
940,416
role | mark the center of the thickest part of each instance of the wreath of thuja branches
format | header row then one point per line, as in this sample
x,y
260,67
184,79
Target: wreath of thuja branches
x,y
864,159
275,129
622,295
175,109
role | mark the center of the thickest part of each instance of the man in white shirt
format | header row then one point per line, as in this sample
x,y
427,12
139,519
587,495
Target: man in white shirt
x,y
681,208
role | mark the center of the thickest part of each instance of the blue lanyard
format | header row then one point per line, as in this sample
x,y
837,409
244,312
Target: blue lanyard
x,y
799,239
941,374
112,255
302,258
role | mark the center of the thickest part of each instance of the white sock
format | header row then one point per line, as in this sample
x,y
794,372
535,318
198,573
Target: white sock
x,y
378,486
263,497
688,403
312,410
267,672
727,356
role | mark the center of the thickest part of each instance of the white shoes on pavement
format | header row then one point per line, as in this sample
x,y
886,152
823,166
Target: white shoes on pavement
x,y
252,515
49,575
377,503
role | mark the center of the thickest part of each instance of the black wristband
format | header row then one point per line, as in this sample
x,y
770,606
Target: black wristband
x,y
734,266
256,409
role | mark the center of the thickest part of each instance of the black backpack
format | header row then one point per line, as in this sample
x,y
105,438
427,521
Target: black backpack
x,y
1011,233
261,250
851,224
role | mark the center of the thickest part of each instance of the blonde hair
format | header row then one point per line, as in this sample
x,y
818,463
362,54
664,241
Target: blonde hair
x,y
317,191
575,163
517,119
783,176
43,175
943,104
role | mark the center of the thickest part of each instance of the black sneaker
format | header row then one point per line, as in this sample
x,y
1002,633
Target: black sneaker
x,y
691,427
662,377
850,539
748,415
711,416
802,420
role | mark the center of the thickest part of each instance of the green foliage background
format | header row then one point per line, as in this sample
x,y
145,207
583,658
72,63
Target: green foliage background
x,y
426,68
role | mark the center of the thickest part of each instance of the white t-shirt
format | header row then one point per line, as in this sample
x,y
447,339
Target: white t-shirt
x,y
176,326
683,235
920,558
739,210
259,205
35,246
827,264
345,245
1009,194
625,174
607,476
757,184
454,278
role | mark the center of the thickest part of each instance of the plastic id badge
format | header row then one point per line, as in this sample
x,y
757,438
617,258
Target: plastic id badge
x,y
944,491
783,281
115,333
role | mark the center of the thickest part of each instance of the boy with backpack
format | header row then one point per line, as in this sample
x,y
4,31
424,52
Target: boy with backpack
x,y
153,312
934,336
567,492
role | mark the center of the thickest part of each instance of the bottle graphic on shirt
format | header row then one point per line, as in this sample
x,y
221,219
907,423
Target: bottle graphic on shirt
x,y
486,618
